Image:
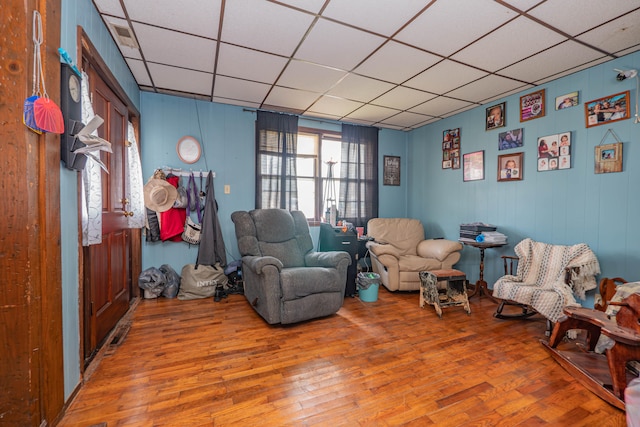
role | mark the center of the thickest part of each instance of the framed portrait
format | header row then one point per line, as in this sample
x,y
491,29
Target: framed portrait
x,y
495,116
510,167
451,148
532,106
391,170
567,100
473,166
608,158
608,109
510,139
554,152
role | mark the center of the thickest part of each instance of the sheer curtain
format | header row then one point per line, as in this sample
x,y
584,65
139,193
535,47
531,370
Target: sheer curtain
x,y
359,174
276,140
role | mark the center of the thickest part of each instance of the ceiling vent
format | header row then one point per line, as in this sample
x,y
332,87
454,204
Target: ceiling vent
x,y
124,36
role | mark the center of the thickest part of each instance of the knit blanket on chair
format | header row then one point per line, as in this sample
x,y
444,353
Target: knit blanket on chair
x,y
540,277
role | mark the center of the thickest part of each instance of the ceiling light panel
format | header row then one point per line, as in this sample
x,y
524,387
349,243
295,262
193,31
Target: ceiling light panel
x,y
179,79
436,29
174,48
265,26
395,62
381,16
199,17
304,75
240,62
505,46
336,45
243,90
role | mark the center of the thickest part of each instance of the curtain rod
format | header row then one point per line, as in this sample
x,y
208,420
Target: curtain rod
x,y
248,110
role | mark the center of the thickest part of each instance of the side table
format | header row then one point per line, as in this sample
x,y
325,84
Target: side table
x,y
481,285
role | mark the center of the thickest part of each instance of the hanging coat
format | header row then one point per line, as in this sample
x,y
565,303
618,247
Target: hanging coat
x,y
211,249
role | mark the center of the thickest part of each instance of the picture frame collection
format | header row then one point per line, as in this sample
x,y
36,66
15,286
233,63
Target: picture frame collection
x,y
553,151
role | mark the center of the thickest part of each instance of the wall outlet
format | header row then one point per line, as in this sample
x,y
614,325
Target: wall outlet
x,y
227,189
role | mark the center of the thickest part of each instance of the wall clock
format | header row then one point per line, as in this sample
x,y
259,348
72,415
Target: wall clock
x,y
188,149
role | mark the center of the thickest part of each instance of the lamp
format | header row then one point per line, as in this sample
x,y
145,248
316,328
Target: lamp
x,y
629,74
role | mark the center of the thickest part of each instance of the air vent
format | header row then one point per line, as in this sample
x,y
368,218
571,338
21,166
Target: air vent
x,y
124,36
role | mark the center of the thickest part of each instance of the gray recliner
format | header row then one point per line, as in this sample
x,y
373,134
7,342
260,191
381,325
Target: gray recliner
x,y
285,280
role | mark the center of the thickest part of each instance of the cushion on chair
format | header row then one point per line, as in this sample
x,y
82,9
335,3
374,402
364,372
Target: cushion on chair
x,y
301,282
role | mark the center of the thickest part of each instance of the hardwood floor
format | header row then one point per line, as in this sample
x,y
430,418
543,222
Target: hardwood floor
x,y
386,363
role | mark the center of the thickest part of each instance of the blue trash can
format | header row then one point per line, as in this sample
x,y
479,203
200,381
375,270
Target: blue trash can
x,y
368,285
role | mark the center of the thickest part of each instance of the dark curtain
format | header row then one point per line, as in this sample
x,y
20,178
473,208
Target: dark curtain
x,y
276,146
359,175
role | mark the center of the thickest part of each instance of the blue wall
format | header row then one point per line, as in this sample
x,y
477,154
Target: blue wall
x,y
83,13
227,136
560,207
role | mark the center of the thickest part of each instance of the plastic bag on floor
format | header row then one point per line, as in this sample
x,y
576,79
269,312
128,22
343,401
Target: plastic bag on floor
x,y
172,285
364,280
152,281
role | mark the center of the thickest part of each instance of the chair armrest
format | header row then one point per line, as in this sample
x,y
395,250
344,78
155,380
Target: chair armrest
x,y
439,249
257,263
329,259
508,262
379,249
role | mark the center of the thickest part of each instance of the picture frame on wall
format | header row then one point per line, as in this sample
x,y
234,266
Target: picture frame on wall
x,y
510,167
391,170
608,158
532,106
511,139
554,152
608,109
451,149
473,166
495,116
567,100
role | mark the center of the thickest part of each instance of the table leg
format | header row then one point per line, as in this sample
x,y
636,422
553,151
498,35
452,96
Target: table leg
x,y
481,285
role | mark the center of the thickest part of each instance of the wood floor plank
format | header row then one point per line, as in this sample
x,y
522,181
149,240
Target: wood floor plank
x,y
385,363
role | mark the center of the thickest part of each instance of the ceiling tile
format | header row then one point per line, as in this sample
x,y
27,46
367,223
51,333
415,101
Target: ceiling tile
x,y
402,98
243,90
240,62
440,106
445,76
485,88
199,17
235,102
524,5
259,25
406,119
382,16
292,99
139,72
304,75
372,113
326,45
336,106
173,48
312,6
127,52
505,46
574,17
617,35
358,88
110,7
448,26
550,62
180,79
573,70
396,63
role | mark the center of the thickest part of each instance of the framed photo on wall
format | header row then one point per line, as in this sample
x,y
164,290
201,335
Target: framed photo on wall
x,y
567,100
510,167
532,106
451,149
608,109
608,158
473,166
495,116
554,152
391,170
511,139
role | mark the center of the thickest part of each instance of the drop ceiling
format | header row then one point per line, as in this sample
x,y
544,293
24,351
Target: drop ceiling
x,y
397,64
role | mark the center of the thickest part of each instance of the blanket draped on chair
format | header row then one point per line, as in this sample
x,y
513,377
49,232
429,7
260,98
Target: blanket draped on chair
x,y
540,282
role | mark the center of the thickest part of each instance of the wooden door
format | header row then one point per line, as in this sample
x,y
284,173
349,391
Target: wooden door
x,y
107,266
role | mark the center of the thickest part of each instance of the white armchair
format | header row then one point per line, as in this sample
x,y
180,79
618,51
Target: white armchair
x,y
399,252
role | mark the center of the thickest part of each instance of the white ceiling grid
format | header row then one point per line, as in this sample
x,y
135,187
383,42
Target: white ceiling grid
x,y
386,63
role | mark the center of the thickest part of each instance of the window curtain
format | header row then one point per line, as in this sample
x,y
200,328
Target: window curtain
x,y
358,200
276,146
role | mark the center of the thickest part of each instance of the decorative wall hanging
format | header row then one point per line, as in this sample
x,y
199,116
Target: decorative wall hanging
x,y
608,157
608,109
495,116
510,167
532,106
188,149
391,172
451,149
567,100
554,152
473,164
511,139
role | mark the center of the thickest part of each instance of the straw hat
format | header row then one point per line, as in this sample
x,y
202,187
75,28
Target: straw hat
x,y
159,195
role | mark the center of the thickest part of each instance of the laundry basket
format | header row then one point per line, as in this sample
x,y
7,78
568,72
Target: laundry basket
x,y
368,284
